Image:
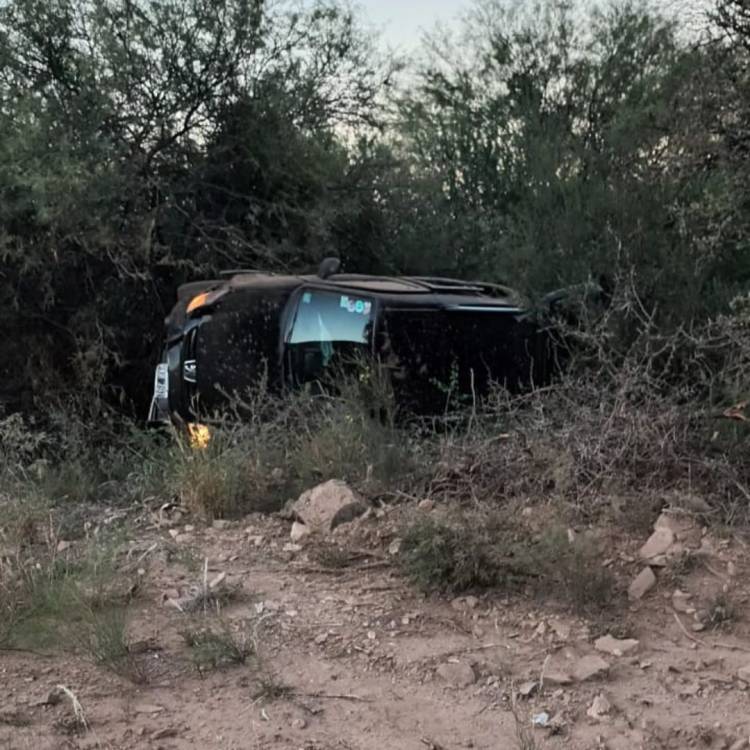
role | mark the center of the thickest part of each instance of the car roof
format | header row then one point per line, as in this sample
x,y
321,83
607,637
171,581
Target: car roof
x,y
410,289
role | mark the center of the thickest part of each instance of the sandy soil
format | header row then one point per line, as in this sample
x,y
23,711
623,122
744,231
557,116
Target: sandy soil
x,y
353,658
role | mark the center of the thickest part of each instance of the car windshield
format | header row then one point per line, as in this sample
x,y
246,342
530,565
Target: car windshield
x,y
327,326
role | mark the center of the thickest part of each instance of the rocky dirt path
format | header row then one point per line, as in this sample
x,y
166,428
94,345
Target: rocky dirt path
x,y
350,657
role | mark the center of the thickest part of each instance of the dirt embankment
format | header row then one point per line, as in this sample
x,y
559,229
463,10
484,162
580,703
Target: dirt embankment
x,y
339,652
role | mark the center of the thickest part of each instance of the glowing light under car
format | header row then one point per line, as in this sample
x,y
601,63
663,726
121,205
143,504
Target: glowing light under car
x,y
199,435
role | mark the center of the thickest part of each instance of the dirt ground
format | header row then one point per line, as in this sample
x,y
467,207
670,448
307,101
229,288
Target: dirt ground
x,y
351,657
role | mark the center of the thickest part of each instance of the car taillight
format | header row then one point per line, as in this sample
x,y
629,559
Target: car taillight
x,y
205,299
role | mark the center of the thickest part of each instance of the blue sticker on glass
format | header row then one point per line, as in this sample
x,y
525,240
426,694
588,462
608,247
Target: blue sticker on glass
x,y
307,298
358,306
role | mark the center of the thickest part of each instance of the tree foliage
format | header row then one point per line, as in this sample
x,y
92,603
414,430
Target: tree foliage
x,y
555,146
144,143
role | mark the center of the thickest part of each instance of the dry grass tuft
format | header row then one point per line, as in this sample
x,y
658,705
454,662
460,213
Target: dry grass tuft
x,y
525,739
722,611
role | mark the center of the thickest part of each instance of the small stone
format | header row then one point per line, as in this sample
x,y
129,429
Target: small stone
x,y
321,639
291,547
148,708
299,724
299,531
188,528
394,547
174,533
658,543
744,673
221,525
642,584
589,667
183,538
527,689
459,675
614,646
600,707
63,545
681,602
426,505
557,677
371,635
732,571
702,615
163,734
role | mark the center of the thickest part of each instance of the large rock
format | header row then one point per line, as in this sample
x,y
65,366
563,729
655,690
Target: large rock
x,y
683,526
328,505
658,543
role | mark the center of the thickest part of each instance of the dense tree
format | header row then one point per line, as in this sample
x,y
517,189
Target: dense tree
x,y
554,147
142,141
147,142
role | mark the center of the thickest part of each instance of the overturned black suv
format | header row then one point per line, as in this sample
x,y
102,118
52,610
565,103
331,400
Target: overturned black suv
x,y
434,336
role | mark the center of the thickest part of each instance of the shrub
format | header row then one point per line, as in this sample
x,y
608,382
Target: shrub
x,y
486,549
463,554
213,647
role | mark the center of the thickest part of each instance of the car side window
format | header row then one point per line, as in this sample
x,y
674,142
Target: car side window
x,y
327,324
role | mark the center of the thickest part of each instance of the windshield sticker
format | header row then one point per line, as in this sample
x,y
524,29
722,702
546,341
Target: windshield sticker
x,y
359,306
306,298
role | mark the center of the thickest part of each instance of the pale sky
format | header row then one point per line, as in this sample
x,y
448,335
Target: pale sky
x,y
402,21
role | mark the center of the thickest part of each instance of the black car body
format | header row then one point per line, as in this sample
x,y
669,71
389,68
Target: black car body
x,y
435,336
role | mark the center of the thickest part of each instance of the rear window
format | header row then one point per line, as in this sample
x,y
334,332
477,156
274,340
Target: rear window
x,y
328,327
